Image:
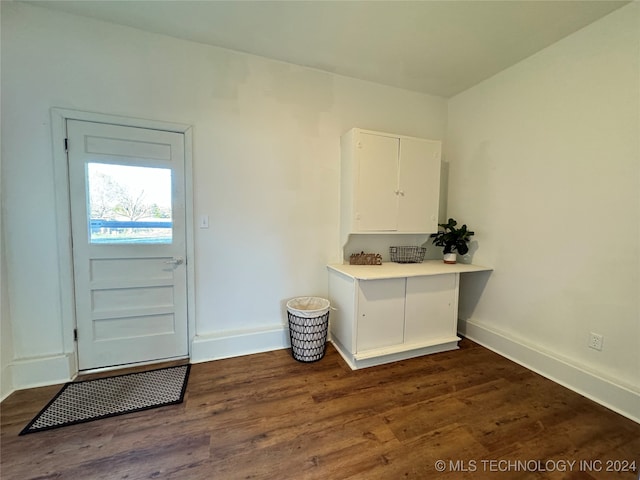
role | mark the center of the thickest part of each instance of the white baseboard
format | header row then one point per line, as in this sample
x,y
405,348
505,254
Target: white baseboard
x,y
236,343
51,370
6,383
42,371
381,357
606,392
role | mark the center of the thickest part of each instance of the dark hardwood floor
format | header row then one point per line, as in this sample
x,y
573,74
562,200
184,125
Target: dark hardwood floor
x,y
267,416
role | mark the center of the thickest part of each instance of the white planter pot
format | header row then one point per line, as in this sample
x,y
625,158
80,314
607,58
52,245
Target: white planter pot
x,y
450,258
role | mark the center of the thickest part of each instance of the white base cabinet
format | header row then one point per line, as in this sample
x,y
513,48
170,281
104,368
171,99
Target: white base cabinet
x,y
392,312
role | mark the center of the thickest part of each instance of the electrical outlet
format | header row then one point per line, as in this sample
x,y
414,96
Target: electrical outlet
x,y
595,341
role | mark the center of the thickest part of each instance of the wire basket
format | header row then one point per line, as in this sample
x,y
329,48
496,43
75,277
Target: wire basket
x,y
407,254
308,327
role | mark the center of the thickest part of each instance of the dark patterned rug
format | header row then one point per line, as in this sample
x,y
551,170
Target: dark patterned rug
x,y
89,400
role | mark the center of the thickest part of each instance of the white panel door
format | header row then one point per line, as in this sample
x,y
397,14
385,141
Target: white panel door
x,y
431,308
380,313
129,243
419,185
376,201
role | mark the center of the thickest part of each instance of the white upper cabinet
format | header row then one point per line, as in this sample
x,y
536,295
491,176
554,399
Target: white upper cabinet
x,y
389,183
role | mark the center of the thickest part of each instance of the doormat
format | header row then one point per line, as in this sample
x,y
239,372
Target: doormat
x,y
89,400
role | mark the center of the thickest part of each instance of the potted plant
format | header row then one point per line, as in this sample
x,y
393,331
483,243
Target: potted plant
x,y
452,239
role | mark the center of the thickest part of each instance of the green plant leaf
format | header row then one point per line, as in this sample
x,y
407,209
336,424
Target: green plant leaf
x,y
452,238
461,246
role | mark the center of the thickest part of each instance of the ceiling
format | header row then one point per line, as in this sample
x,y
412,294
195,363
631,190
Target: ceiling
x,y
435,47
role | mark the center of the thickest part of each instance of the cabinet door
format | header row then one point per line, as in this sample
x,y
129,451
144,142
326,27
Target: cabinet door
x,y
376,203
419,185
380,313
431,308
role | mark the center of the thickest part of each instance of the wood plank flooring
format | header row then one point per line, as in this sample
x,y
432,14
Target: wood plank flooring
x,y
267,416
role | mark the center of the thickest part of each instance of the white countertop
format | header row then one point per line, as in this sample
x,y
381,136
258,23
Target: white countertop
x,y
396,270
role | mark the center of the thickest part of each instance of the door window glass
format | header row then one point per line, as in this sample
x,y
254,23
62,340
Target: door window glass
x,y
129,204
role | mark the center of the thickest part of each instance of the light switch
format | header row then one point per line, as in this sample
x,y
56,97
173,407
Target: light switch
x,y
204,221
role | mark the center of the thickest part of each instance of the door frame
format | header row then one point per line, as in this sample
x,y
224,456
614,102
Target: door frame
x,y
59,117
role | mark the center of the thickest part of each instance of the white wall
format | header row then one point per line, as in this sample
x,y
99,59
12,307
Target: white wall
x,y
266,163
545,167
6,336
6,342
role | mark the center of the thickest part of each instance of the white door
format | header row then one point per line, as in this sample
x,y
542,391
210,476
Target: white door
x,y
419,185
377,199
129,243
380,313
431,308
